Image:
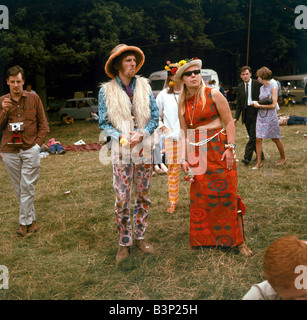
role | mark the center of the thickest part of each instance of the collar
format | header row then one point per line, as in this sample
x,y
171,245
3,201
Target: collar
x,y
132,82
23,95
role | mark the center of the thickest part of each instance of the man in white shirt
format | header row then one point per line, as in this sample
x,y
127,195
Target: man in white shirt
x,y
248,91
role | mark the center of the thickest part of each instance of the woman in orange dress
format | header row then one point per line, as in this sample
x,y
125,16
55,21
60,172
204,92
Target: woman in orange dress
x,y
216,210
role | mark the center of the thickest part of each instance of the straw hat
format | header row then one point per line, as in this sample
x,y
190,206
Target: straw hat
x,y
183,65
116,52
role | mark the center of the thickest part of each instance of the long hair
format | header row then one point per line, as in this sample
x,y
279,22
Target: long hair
x,y
184,95
170,89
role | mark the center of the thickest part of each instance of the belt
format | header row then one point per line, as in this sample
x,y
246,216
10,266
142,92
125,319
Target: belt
x,y
201,143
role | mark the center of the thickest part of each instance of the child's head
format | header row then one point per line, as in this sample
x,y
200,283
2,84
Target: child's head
x,y
281,259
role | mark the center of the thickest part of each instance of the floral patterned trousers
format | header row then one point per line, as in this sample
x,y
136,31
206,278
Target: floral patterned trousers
x,y
124,175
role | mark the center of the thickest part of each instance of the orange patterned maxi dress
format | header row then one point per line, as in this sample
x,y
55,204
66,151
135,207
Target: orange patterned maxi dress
x,y
214,202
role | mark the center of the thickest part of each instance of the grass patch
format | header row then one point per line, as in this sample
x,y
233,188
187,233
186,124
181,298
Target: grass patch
x,y
73,254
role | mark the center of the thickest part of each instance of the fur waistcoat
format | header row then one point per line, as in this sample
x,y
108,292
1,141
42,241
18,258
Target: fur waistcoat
x,y
123,114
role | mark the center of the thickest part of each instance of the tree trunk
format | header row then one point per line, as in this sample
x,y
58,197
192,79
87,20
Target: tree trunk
x,y
40,85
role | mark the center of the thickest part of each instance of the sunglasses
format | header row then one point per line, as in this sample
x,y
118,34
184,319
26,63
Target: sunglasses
x,y
189,73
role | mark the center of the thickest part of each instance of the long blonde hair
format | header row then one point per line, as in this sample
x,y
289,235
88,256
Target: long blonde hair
x,y
184,95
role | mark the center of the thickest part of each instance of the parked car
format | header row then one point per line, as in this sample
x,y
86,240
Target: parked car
x,y
54,105
298,86
79,108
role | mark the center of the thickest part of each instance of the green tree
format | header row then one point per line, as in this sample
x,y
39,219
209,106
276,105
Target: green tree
x,y
65,44
174,30
66,40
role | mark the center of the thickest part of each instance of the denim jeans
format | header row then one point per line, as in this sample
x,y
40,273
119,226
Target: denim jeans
x,y
294,120
56,148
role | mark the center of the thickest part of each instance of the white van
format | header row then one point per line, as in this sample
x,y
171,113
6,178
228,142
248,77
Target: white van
x,y
158,79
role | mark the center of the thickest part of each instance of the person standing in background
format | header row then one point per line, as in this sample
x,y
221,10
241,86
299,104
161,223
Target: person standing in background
x,y
248,91
267,125
167,101
279,93
25,128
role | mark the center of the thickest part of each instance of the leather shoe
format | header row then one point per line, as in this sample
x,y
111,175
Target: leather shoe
x,y
32,228
245,161
22,231
122,254
144,246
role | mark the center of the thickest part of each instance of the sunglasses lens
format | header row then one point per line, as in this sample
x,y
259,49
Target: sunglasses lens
x,y
189,73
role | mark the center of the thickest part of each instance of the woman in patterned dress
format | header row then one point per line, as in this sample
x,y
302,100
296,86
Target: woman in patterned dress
x,y
267,126
216,210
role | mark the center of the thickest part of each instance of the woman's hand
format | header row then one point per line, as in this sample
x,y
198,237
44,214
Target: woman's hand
x,y
165,130
255,104
230,158
185,166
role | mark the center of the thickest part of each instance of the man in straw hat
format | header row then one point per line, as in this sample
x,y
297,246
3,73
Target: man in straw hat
x,y
128,114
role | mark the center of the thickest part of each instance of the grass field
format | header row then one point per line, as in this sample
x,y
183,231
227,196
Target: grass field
x,y
73,254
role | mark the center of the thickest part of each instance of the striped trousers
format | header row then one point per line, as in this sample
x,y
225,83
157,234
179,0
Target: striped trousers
x,y
173,155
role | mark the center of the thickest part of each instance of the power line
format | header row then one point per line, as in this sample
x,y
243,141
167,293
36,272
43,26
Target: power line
x,y
285,6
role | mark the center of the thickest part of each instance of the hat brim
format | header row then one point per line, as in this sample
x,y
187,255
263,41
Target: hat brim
x,y
178,75
109,66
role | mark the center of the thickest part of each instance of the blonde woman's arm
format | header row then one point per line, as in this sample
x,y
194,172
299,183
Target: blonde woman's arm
x,y
184,128
226,117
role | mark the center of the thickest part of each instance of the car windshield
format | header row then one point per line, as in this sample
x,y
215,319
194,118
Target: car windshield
x,y
157,84
93,101
293,83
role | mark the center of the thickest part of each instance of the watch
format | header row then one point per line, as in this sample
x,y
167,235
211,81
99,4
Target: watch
x,y
230,146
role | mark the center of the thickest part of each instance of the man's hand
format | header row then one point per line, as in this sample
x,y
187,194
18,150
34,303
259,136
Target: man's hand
x,y
135,138
6,105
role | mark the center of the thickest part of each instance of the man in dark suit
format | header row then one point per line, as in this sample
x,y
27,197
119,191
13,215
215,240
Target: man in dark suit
x,y
248,91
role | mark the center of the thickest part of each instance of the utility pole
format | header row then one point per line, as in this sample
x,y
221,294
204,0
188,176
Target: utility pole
x,y
249,30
